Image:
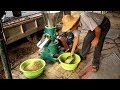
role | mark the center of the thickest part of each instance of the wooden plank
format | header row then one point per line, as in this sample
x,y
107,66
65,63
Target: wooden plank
x,y
36,24
29,26
20,22
21,29
13,31
17,37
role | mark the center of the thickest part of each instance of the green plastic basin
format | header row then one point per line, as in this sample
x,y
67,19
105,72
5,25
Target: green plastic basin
x,y
68,66
32,74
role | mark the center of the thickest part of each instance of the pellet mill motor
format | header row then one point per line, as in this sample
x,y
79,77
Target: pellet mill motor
x,y
48,41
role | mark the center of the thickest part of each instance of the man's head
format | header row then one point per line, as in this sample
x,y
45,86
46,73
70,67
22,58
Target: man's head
x,y
70,22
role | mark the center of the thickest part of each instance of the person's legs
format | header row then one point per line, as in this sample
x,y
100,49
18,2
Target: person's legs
x,y
105,26
87,44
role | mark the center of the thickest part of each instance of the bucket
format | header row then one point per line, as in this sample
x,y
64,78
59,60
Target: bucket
x,y
66,66
35,73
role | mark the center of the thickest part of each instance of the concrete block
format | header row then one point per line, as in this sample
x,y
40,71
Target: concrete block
x,y
109,69
51,76
74,76
113,33
67,74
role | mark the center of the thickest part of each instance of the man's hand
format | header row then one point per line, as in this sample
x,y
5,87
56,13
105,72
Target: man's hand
x,y
97,36
40,50
71,53
95,42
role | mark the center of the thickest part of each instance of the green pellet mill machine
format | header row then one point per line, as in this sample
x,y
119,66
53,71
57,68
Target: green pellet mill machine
x,y
48,43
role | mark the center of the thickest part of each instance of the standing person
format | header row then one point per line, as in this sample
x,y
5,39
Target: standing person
x,y
97,26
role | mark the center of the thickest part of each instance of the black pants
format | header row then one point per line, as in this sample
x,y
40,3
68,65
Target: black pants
x,y
105,26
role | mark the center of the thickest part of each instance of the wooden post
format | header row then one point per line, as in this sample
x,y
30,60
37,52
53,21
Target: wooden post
x,y
3,54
